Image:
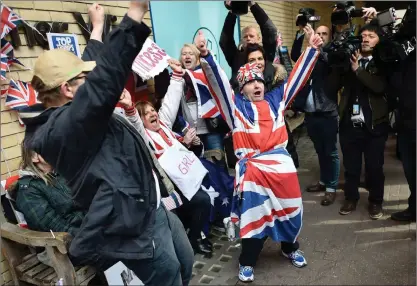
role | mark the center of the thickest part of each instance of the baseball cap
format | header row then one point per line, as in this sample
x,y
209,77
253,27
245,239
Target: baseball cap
x,y
247,73
57,66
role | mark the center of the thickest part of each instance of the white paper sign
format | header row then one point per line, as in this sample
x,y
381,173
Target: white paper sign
x,y
151,60
119,274
183,168
67,42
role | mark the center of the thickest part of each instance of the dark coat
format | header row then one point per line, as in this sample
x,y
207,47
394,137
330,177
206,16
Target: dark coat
x,y
104,160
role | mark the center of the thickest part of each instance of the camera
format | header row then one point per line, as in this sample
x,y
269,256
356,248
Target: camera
x,y
345,11
307,16
341,49
238,7
398,42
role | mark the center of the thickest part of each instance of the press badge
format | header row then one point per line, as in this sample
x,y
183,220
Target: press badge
x,y
356,109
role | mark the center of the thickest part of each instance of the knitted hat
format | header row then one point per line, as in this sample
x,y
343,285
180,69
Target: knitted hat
x,y
247,73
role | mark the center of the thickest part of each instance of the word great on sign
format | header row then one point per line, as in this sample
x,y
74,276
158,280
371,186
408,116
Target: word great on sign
x,y
150,58
185,164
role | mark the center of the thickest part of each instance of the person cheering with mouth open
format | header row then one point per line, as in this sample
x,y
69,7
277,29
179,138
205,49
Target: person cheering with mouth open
x,y
267,198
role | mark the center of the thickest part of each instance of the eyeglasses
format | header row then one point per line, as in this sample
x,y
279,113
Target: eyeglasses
x,y
78,77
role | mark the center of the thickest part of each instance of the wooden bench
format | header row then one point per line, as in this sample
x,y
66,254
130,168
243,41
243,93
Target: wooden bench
x,y
18,248
25,267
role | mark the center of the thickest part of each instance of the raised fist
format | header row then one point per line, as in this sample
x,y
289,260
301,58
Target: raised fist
x,y
201,43
96,13
175,66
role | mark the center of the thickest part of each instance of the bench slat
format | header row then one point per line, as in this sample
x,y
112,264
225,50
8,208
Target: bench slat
x,y
44,273
25,266
48,279
36,270
84,273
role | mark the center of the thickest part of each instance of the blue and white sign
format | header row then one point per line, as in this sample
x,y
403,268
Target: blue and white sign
x,y
175,23
67,42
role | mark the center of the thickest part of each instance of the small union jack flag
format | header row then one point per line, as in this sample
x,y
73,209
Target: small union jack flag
x,y
277,59
4,66
20,94
6,48
9,20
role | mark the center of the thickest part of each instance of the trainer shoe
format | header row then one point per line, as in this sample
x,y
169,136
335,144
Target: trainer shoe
x,y
297,258
246,273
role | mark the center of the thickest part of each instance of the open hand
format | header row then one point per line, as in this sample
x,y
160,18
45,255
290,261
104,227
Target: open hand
x,y
96,13
201,43
309,32
175,66
354,60
315,42
190,136
369,13
126,99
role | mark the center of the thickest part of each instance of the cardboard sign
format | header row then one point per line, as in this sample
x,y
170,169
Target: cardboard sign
x,y
119,274
151,60
64,41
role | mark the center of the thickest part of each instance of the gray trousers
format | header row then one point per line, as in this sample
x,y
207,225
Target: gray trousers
x,y
173,255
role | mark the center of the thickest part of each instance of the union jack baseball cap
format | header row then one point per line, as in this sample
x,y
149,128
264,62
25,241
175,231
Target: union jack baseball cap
x,y
247,73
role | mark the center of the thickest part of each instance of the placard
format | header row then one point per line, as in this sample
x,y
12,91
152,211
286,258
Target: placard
x,y
67,42
119,274
151,60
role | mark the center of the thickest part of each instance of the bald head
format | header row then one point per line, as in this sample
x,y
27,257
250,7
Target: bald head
x,y
324,33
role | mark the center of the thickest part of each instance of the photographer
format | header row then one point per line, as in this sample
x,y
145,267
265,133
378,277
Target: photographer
x,y
235,56
321,116
364,125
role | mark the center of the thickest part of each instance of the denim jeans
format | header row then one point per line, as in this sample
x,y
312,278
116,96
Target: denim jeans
x,y
407,148
173,256
214,141
323,131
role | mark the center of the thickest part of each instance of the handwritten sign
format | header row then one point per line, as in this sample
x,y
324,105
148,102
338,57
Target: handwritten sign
x,y
151,60
67,42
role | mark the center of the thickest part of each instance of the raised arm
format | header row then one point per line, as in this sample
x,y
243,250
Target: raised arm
x,y
95,44
302,68
268,30
218,82
227,41
172,99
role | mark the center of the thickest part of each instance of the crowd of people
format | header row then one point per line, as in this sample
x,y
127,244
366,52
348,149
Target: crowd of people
x,y
107,177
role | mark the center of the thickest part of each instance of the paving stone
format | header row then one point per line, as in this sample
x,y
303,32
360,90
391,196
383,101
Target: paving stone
x,y
340,250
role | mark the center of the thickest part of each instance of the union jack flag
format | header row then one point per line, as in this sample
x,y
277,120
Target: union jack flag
x,y
277,58
4,66
20,95
9,20
267,197
6,48
206,106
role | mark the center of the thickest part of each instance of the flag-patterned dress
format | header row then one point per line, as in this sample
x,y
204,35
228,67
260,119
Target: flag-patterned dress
x,y
267,198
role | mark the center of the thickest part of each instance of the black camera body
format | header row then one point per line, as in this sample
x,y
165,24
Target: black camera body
x,y
345,11
398,42
307,16
238,7
341,49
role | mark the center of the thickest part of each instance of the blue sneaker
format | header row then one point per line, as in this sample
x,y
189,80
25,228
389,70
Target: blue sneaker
x,y
297,258
246,273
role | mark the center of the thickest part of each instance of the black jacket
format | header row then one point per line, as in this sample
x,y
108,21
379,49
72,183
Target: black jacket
x,y
235,57
403,86
104,160
371,83
324,99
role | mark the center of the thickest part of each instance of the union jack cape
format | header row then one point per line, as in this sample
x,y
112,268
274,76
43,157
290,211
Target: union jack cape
x,y
9,20
206,106
20,95
267,197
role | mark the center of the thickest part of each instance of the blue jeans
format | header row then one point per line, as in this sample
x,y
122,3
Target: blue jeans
x,y
214,141
323,131
173,255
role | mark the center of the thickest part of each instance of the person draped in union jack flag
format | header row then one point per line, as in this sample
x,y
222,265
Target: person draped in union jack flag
x,y
267,199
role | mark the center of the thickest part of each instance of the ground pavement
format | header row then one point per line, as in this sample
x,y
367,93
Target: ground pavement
x,y
340,250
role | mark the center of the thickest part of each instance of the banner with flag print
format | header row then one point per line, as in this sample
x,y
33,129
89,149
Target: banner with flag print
x,y
6,48
20,95
9,20
4,66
